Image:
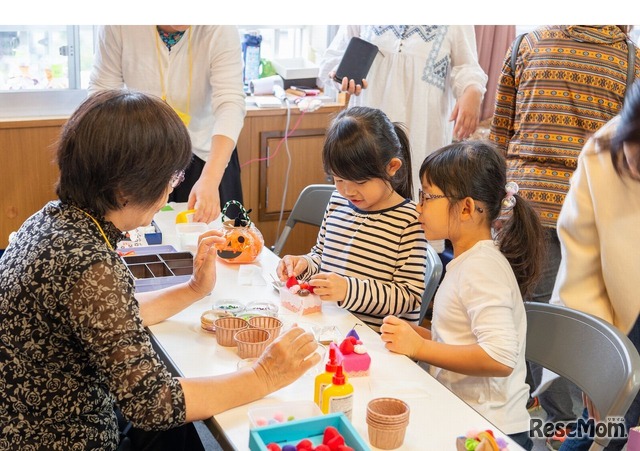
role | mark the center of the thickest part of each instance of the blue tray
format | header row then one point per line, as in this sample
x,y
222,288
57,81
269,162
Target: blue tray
x,y
291,432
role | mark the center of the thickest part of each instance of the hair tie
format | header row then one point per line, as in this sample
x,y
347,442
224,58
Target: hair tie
x,y
509,200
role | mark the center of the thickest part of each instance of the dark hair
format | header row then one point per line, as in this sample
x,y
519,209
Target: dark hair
x,y
360,144
628,129
120,143
476,169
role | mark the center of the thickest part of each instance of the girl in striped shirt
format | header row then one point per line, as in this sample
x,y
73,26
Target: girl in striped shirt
x,y
370,253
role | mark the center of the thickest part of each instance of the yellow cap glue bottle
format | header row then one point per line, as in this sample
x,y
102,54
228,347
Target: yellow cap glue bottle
x,y
323,380
338,397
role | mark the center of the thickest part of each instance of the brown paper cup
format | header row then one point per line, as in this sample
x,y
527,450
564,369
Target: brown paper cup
x,y
386,438
268,323
227,327
251,342
387,420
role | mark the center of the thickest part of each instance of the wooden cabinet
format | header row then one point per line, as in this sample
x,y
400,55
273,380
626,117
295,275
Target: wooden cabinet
x,y
29,171
273,167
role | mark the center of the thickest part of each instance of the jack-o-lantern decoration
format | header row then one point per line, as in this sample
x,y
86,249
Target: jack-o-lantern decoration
x,y
244,242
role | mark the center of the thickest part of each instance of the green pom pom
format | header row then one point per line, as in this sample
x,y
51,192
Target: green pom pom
x,y
470,444
291,418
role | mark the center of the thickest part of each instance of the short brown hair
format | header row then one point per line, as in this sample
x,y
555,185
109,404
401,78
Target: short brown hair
x,y
120,143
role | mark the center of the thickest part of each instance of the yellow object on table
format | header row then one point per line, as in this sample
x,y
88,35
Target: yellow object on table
x,y
185,216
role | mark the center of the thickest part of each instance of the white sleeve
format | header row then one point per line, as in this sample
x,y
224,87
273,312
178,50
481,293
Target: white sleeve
x,y
333,54
580,283
488,296
107,65
225,69
466,70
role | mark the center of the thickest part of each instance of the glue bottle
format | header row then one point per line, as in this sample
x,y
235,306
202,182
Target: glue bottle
x,y
323,380
338,397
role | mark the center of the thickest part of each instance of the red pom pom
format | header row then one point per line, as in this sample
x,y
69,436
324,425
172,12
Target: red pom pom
x,y
346,347
304,445
291,281
329,433
322,448
345,448
273,447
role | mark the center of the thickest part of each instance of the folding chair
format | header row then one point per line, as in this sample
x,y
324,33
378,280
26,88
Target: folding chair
x,y
308,209
432,275
589,352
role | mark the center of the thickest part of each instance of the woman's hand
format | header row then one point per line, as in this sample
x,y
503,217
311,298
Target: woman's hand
x,y
329,286
350,86
204,199
204,263
466,113
400,336
287,358
291,265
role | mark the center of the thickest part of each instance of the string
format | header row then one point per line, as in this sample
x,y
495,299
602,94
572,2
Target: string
x,y
162,86
106,240
279,144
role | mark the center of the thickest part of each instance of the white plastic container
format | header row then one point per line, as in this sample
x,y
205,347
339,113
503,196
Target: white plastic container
x,y
188,234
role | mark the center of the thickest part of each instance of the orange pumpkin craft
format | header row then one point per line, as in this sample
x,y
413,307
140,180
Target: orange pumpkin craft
x,y
244,242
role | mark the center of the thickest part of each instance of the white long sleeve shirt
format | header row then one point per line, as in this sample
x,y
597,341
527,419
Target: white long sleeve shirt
x,y
479,302
135,57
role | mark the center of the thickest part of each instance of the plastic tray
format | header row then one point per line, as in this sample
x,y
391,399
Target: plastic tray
x,y
157,267
292,432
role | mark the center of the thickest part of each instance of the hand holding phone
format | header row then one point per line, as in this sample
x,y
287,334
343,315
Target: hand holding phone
x,y
356,61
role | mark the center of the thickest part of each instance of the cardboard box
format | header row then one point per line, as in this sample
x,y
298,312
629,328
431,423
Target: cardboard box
x,y
292,432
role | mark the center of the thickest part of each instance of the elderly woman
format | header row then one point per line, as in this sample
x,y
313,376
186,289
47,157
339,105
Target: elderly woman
x,y
73,343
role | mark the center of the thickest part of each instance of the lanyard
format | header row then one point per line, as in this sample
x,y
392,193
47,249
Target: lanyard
x,y
184,116
106,240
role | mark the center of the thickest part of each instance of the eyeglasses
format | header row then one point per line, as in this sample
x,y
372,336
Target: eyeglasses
x,y
423,197
177,179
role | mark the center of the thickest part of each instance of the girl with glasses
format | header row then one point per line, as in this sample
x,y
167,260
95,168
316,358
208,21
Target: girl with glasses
x,y
477,340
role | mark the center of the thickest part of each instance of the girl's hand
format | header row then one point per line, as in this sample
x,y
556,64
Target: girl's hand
x,y
329,286
204,263
400,337
287,358
291,265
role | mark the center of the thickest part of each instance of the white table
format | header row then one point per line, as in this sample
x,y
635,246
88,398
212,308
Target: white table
x,y
437,415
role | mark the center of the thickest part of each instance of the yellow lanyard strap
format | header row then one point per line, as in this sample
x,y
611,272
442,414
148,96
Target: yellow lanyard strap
x,y
184,116
106,240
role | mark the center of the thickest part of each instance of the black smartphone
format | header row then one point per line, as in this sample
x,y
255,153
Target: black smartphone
x,y
356,61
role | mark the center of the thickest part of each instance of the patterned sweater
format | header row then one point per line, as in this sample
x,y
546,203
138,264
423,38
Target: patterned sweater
x,y
382,254
569,81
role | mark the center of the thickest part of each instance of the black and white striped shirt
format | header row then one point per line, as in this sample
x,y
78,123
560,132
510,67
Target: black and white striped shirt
x,y
381,253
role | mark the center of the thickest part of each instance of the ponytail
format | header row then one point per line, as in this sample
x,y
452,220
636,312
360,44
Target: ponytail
x,y
403,179
521,241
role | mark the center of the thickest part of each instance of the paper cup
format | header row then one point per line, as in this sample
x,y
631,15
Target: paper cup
x,y
268,323
227,327
387,420
251,342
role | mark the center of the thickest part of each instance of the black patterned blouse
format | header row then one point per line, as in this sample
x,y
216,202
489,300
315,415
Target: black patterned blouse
x,y
72,341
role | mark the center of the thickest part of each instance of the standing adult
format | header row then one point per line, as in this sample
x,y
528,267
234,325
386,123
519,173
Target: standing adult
x,y
568,82
424,76
198,71
598,275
